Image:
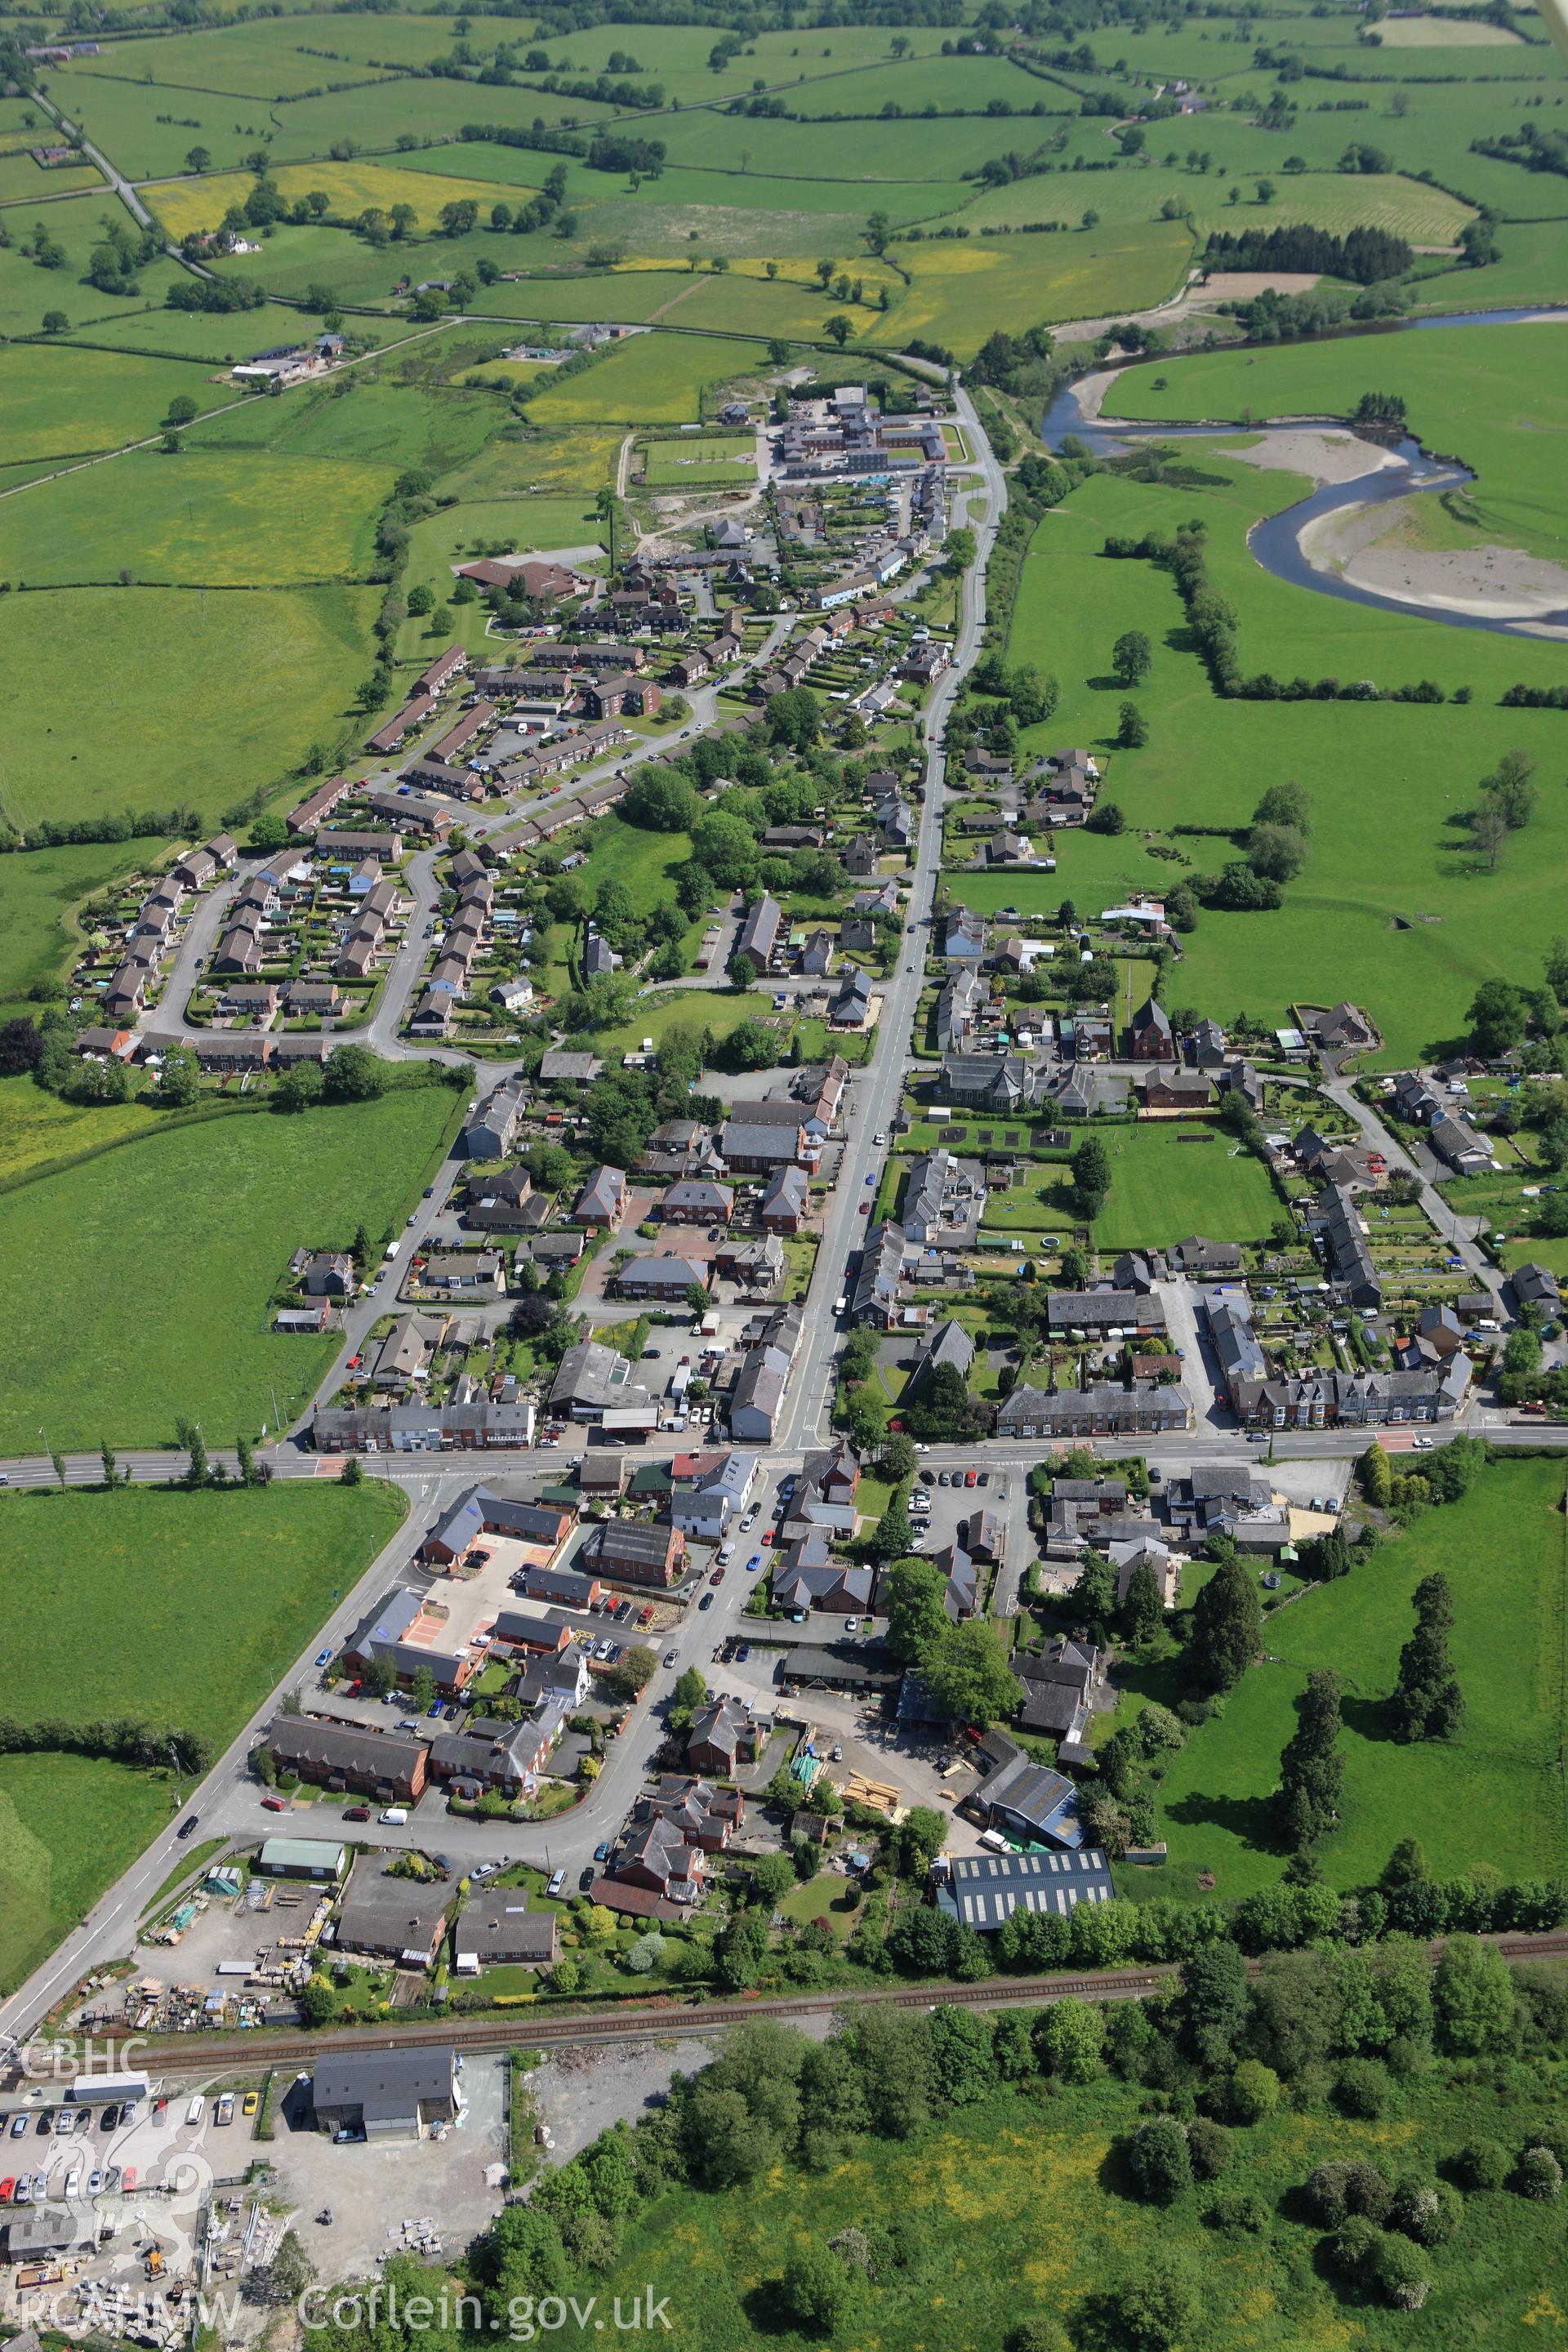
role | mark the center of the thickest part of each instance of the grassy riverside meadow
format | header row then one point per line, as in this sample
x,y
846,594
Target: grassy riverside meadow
x,y
177,1325
84,1567
1392,908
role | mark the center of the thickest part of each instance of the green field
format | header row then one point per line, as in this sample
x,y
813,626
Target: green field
x,y
209,517
287,664
105,1578
1335,201
1164,1184
166,1255
647,380
62,401
1493,1797
27,291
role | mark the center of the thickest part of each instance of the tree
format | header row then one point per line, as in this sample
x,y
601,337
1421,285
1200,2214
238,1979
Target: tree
x,y
771,1877
1214,2002
182,409
633,1670
968,1674
180,1078
1158,2159
353,1074
1143,1610
1288,804
838,329
1070,2038
1090,1165
1132,731
1473,1998
892,1537
817,2289
1227,1628
55,323
1310,1770
1427,1702
422,1689
1488,830
1509,790
197,159
1276,851
911,1593
898,1460
1154,2311
1498,1016
1376,1477
1132,657
877,233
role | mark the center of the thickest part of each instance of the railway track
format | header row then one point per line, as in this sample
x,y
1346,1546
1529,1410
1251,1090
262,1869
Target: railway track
x,y
205,2054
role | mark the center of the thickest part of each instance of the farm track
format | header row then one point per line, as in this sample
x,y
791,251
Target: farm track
x,y
203,2056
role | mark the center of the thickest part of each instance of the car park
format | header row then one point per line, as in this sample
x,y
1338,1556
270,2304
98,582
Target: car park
x,y
942,1478
927,1477
969,1476
252,2101
18,2127
7,2190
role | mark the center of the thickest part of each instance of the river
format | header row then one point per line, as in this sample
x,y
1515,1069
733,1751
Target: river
x,y
1276,542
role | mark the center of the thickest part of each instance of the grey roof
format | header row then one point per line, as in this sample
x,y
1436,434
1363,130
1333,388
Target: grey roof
x,y
379,1909
388,2084
983,1890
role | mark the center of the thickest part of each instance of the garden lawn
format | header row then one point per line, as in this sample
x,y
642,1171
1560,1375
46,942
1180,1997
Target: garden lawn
x,y
1019,2215
277,670
1493,1797
649,379
165,1257
87,1568
209,517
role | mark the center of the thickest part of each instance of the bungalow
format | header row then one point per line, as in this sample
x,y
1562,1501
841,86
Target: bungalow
x,y
497,1929
482,1512
1161,1092
406,1352
1205,1259
561,1067
392,1918
464,1270
602,1202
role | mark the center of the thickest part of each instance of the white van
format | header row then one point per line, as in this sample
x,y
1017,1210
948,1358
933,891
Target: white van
x,y
395,1816
995,1839
197,2109
391,1249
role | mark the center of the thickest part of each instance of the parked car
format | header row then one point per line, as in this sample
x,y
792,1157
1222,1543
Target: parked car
x,y
325,1659
252,2101
557,1881
356,1813
18,2127
274,1805
670,1656
743,1652
706,1601
601,1851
